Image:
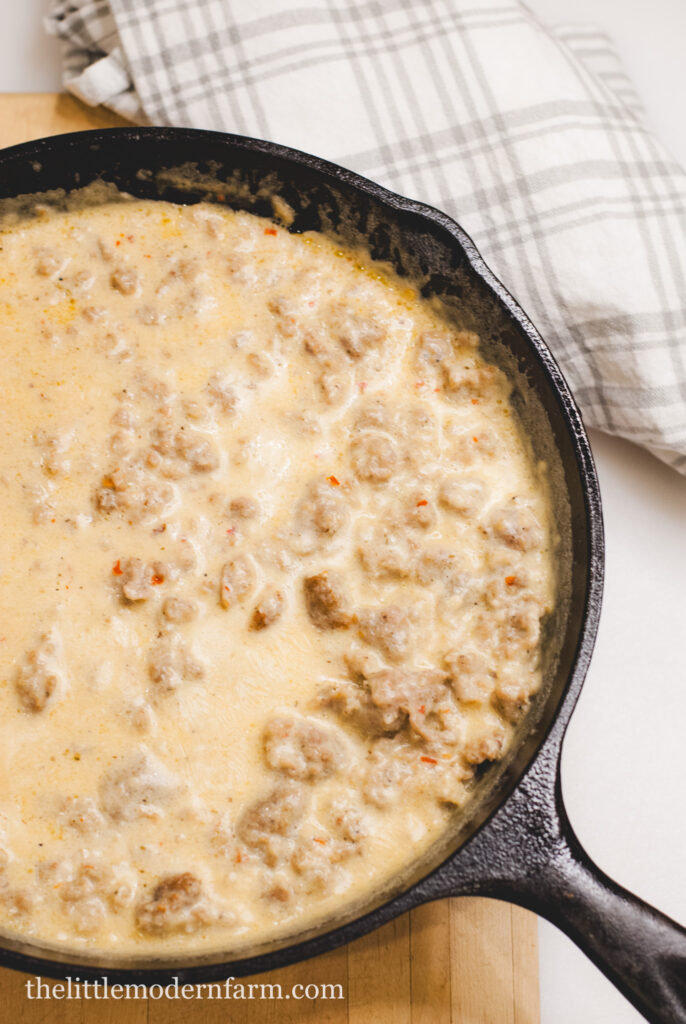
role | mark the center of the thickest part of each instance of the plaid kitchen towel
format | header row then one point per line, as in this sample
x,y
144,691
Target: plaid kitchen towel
x,y
532,138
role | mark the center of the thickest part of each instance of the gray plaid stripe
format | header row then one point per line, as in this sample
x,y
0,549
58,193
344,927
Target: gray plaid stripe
x,y
536,121
307,17
244,73
518,199
435,179
509,235
371,110
655,239
553,172
596,170
610,414
449,112
259,118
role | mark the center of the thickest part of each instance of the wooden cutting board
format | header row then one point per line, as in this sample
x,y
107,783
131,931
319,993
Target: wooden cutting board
x,y
461,961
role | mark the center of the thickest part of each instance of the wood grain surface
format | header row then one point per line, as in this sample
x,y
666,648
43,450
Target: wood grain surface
x,y
461,961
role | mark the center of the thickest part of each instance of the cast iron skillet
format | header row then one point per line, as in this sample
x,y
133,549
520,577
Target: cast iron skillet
x,y
515,841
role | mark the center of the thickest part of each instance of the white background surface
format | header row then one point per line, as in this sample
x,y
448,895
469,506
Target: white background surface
x,y
623,766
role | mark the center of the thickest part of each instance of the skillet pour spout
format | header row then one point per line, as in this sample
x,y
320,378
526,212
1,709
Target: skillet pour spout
x,y
515,841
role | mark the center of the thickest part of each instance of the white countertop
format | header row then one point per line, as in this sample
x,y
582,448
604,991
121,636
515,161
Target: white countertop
x,y
623,775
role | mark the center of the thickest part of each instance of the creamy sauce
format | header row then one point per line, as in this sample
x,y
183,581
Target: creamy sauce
x,y
273,563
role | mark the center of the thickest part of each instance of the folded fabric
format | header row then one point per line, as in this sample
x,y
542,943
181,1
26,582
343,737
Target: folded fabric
x,y
532,138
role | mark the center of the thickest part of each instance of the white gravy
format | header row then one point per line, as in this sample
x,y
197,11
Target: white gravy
x,y
273,561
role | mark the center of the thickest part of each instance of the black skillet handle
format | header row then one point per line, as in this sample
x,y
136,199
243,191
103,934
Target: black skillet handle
x,y
528,854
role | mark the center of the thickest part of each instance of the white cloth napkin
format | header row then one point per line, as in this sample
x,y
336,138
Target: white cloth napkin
x,y
532,138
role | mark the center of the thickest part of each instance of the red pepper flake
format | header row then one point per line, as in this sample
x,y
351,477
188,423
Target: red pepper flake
x,y
510,580
334,481
270,231
116,568
422,709
420,504
319,840
157,579
362,385
437,390
239,857
130,238
475,401
420,383
475,440
429,760
221,197
231,530
159,529
311,303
